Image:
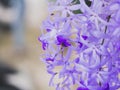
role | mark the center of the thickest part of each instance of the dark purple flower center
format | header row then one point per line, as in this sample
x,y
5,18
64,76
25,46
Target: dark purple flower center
x,y
77,60
84,37
106,87
48,30
50,59
44,44
63,41
81,88
80,44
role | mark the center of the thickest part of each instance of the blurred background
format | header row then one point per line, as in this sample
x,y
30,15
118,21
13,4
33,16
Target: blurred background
x,y
20,50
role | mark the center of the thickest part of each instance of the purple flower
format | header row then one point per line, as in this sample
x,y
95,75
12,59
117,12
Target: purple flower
x,y
85,45
63,41
50,59
81,88
65,7
106,87
48,30
84,37
80,44
44,43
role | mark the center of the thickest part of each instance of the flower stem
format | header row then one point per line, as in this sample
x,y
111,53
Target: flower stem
x,y
108,19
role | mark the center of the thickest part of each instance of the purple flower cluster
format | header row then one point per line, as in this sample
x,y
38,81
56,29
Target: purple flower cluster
x,y
82,49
